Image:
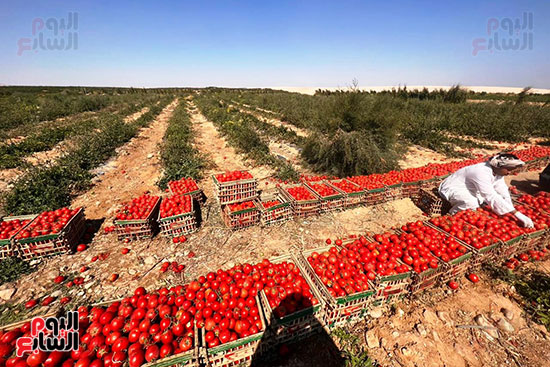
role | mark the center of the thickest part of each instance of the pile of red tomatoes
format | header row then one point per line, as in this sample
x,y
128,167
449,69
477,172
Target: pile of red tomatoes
x,y
175,204
183,186
233,176
50,222
138,208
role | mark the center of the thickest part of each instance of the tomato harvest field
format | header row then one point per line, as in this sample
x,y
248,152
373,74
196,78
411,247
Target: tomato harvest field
x,y
227,227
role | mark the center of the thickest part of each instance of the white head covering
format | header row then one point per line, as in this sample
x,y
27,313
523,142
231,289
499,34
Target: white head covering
x,y
506,160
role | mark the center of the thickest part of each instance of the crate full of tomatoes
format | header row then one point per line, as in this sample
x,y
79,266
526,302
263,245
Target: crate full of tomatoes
x,y
506,228
114,331
236,186
291,302
136,219
9,228
303,200
354,194
274,209
389,275
456,254
186,186
51,233
374,186
538,209
485,244
427,269
241,215
344,284
177,216
230,321
331,197
452,255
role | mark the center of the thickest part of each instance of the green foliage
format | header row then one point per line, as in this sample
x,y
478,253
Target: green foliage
x,y
455,94
533,287
347,154
240,130
15,110
54,186
179,157
10,313
352,349
440,120
12,268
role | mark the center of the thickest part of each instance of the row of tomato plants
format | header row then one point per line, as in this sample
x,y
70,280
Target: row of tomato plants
x,y
24,107
180,159
12,154
280,133
240,130
483,120
54,185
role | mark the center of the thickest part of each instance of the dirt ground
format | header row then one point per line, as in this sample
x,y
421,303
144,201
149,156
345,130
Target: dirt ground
x,y
440,329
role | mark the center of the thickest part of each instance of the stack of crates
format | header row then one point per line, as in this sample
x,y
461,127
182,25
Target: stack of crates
x,y
242,189
235,191
186,186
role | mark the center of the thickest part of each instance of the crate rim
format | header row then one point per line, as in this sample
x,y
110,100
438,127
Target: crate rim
x,y
49,236
245,180
140,221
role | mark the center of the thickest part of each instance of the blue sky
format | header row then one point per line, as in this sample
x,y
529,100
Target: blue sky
x,y
278,43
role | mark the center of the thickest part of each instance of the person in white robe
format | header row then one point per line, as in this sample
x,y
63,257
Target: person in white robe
x,y
474,185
